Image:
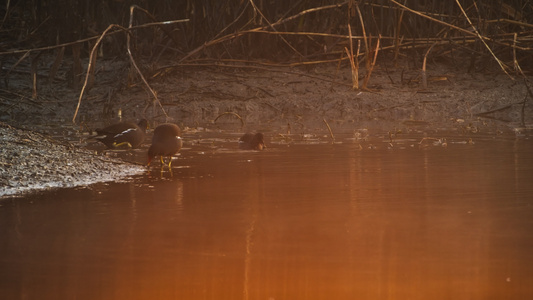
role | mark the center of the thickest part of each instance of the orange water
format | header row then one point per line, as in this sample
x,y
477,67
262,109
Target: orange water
x,y
324,221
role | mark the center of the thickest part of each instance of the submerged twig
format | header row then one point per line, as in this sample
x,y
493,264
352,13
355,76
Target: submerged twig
x,y
442,142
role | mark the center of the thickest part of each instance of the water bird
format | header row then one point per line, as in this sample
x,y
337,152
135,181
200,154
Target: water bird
x,y
165,142
250,141
123,134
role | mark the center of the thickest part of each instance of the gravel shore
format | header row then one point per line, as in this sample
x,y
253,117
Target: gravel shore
x,y
33,161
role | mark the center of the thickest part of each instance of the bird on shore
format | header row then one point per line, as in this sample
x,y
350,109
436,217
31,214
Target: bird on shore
x,y
165,142
250,141
123,134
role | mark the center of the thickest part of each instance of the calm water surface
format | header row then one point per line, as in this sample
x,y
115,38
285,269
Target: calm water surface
x,y
293,222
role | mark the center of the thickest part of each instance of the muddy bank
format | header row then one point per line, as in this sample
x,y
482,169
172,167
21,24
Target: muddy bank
x,y
272,98
276,101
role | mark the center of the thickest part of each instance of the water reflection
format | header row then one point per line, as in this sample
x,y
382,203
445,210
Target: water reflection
x,y
293,222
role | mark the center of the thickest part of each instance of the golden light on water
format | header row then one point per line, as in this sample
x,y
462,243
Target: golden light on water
x,y
349,223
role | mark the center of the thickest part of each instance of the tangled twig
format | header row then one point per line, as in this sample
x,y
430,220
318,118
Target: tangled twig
x,y
92,58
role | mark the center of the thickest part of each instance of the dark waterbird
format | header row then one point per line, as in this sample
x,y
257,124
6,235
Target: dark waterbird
x,y
122,134
250,141
165,142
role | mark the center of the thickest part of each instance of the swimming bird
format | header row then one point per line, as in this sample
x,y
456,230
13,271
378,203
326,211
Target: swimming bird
x,y
123,134
250,141
165,142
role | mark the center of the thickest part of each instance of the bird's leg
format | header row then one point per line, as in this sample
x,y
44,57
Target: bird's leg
x,y
169,161
115,145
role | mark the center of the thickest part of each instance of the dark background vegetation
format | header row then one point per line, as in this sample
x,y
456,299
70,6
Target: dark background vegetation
x,y
240,29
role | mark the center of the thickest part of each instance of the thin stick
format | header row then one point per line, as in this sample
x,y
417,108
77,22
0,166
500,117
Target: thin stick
x,y
281,21
233,114
241,33
92,38
355,73
397,40
425,40
371,65
365,39
34,67
329,128
453,26
515,61
357,60
355,82
57,62
502,65
433,19
234,21
294,64
128,38
424,75
6,78
272,27
514,22
91,59
530,94
7,12
429,139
